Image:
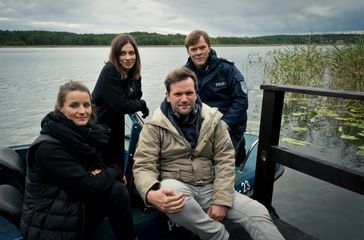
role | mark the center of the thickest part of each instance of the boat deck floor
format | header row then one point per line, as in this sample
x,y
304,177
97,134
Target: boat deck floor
x,y
236,232
291,232
288,231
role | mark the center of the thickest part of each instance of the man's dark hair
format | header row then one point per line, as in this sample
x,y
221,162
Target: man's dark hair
x,y
178,75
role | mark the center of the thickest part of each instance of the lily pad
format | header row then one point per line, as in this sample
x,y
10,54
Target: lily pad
x,y
355,110
331,114
361,152
355,115
328,113
299,129
348,137
295,141
298,114
344,119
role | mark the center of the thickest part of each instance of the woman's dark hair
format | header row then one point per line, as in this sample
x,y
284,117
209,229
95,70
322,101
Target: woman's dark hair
x,y
70,86
180,74
117,43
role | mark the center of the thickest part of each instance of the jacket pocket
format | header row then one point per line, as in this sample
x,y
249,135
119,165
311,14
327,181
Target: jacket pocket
x,y
170,174
204,172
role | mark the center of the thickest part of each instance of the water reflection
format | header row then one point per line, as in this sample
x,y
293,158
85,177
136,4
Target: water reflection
x,y
328,128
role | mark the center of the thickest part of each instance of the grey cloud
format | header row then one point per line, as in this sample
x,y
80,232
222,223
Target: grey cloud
x,y
219,18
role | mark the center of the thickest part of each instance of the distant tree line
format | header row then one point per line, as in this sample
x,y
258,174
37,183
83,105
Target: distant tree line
x,y
39,38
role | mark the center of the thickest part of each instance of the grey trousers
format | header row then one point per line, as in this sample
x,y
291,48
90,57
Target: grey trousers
x,y
250,214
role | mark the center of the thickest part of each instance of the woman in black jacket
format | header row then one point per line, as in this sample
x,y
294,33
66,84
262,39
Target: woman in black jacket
x,y
69,191
117,92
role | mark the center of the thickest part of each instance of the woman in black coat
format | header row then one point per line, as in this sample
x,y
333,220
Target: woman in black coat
x,y
117,92
69,191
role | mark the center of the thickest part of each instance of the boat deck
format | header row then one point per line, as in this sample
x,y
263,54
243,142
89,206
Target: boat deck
x,y
291,232
238,233
288,231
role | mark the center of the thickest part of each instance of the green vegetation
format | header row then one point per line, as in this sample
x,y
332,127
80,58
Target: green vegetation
x,y
336,66
339,67
39,38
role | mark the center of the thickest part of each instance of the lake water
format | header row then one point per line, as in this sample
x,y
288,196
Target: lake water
x,y
29,82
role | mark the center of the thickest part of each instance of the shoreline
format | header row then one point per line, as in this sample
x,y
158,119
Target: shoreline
x,y
156,46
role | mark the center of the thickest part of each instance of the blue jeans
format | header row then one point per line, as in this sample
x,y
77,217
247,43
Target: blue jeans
x,y
245,211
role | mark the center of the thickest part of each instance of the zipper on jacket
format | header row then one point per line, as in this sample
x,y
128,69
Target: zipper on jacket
x,y
192,157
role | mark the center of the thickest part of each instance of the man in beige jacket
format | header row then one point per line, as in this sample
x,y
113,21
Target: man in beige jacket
x,y
184,166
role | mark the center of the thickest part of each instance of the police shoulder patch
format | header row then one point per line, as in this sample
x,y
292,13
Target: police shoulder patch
x,y
244,87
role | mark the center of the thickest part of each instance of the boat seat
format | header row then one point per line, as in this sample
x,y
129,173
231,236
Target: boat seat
x,y
11,160
11,200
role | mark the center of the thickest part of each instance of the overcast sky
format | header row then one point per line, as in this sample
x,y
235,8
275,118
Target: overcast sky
x,y
218,17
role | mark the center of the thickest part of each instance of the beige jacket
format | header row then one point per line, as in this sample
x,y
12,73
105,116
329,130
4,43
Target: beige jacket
x,y
162,153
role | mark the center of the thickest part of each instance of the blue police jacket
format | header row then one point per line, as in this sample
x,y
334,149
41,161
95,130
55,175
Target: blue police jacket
x,y
222,85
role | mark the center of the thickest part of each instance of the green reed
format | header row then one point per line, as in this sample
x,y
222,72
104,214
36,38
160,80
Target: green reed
x,y
336,66
339,67
346,66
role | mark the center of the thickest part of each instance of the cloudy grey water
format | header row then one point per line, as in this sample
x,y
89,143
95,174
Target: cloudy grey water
x,y
29,82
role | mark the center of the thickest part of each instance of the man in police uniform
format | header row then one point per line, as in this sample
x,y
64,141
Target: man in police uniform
x,y
221,85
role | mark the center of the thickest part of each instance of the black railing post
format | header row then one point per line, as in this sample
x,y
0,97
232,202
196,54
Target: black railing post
x,y
270,124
